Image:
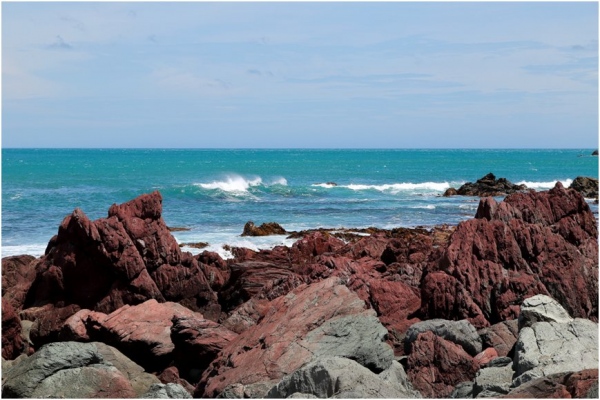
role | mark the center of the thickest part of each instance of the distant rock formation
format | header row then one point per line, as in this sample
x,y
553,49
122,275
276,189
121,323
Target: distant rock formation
x,y
266,229
588,187
487,186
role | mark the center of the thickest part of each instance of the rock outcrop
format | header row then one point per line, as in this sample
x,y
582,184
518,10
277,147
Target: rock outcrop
x,y
588,187
265,229
486,186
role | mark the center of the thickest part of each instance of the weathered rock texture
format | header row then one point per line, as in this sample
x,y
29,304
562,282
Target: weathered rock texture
x,y
488,186
588,187
266,229
576,385
531,243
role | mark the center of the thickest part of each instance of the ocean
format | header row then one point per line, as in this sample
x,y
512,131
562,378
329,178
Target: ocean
x,y
213,193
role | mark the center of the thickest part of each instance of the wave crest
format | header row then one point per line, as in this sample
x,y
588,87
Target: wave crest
x,y
545,185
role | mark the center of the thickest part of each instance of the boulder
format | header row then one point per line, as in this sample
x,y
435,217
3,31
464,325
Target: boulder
x,y
588,187
541,308
463,390
450,192
460,332
142,332
266,229
435,366
489,186
486,356
501,336
289,336
547,348
595,152
581,384
67,369
336,377
493,381
168,391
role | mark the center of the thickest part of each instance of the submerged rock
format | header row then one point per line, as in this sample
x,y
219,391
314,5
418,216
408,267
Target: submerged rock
x,y
489,186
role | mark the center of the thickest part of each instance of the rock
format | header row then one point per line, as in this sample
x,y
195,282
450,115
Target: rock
x,y
168,391
531,243
450,192
595,152
302,396
67,369
588,187
547,348
335,377
12,341
501,336
582,384
171,375
435,366
197,342
142,332
47,322
493,381
485,356
463,390
460,332
498,362
489,186
127,258
18,273
542,308
266,229
288,337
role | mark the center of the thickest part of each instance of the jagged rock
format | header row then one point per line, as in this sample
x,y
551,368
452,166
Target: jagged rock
x,y
435,366
168,391
542,308
335,377
12,341
489,186
18,273
547,348
288,336
486,356
531,243
266,229
460,332
463,390
581,384
501,336
450,192
67,369
588,187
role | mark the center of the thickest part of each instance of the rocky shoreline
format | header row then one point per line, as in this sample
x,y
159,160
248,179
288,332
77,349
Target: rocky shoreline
x,y
502,305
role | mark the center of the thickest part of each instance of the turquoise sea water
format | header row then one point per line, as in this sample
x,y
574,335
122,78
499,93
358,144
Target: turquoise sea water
x,y
215,192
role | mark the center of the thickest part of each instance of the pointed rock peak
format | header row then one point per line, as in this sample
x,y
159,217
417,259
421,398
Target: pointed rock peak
x,y
144,206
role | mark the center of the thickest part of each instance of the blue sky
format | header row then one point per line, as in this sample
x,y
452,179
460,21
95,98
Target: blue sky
x,y
272,75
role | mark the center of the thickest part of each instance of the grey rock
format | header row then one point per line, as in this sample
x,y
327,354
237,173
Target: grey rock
x,y
302,396
547,348
463,390
25,377
493,381
592,392
499,362
460,332
168,391
358,337
233,391
338,378
395,375
541,308
140,380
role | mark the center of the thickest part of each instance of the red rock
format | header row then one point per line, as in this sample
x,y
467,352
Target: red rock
x,y
48,321
197,342
501,336
215,269
531,243
312,245
171,375
435,366
486,356
271,344
18,274
141,332
12,342
75,327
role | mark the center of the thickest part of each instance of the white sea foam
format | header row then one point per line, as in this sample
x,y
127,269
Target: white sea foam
x,y
280,181
36,250
232,183
218,240
545,185
427,207
395,188
324,185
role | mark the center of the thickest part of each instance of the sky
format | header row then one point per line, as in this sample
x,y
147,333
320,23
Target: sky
x,y
300,75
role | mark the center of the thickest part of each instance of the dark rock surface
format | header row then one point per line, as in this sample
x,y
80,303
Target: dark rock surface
x,y
489,186
588,187
12,342
576,385
265,229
